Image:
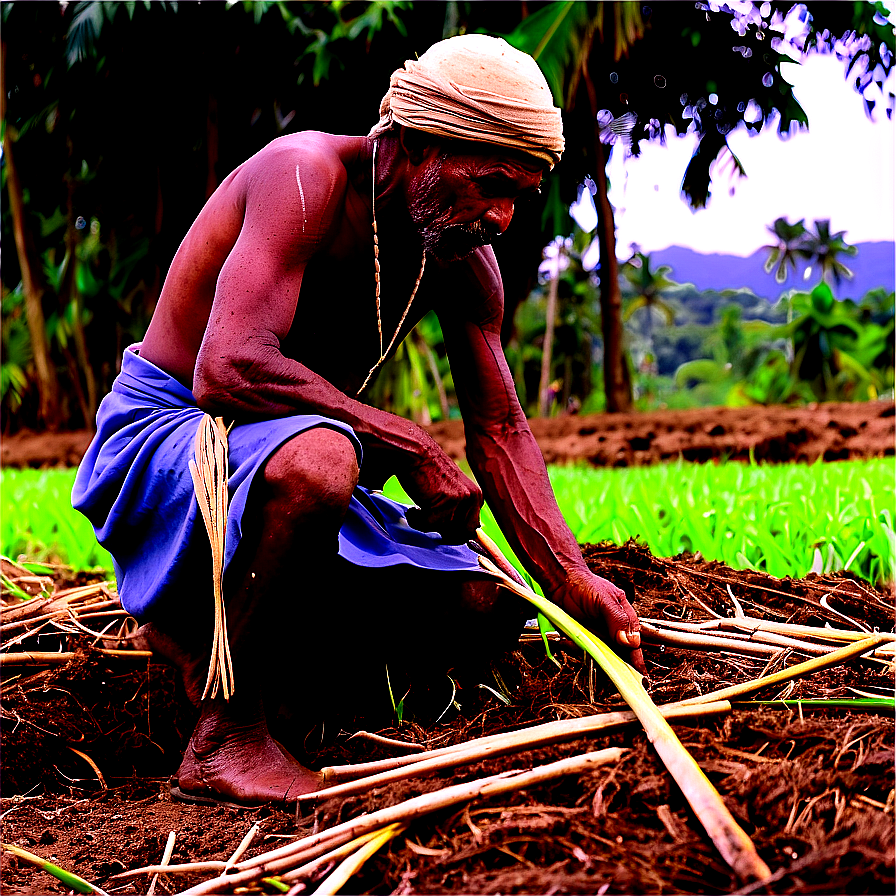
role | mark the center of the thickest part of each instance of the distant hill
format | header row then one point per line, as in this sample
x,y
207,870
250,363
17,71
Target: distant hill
x,y
874,266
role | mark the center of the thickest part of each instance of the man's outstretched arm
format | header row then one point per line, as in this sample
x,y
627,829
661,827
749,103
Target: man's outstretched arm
x,y
510,469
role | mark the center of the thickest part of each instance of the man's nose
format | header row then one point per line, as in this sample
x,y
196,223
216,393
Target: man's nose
x,y
498,217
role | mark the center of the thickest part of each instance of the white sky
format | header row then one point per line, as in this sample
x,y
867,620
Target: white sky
x,y
841,169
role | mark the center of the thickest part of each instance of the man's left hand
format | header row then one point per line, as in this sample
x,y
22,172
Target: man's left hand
x,y
602,607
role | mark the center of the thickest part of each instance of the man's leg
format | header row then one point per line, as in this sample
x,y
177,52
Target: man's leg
x,y
296,509
421,626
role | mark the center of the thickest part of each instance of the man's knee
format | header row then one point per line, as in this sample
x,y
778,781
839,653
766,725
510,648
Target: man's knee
x,y
316,470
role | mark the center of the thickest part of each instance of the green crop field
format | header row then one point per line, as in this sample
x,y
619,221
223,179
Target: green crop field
x,y
784,520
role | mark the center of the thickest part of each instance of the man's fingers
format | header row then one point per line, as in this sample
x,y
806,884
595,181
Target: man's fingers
x,y
629,639
619,612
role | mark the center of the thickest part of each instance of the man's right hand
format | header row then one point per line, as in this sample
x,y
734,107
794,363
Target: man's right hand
x,y
449,502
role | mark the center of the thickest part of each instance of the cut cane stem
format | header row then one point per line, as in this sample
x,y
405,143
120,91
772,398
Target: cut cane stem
x,y
729,838
499,745
166,858
350,866
283,859
834,658
340,852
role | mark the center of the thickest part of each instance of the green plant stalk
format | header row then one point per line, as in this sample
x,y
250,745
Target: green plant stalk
x,y
78,884
732,842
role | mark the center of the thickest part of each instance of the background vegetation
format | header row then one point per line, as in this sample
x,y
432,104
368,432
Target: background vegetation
x,y
785,520
121,118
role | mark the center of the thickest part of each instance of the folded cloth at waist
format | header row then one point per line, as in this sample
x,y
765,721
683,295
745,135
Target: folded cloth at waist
x,y
134,486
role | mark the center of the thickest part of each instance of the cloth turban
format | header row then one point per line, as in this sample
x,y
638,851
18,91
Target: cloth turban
x,y
476,87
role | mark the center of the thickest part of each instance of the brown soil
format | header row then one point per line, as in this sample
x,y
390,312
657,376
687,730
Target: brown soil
x,y
774,434
813,789
842,431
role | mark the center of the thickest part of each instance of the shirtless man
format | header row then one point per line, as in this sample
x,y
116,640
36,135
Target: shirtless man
x,y
276,312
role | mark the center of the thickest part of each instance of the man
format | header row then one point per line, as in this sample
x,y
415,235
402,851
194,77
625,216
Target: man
x,y
305,269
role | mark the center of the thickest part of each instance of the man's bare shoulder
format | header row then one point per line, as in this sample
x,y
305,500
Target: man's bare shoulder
x,y
310,159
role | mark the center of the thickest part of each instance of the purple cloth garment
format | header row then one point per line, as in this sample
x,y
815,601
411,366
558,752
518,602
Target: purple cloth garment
x,y
134,486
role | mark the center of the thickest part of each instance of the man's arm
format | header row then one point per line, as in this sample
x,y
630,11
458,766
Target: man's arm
x,y
508,464
240,370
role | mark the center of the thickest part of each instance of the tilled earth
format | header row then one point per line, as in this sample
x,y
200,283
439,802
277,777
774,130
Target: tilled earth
x,y
830,431
813,789
88,746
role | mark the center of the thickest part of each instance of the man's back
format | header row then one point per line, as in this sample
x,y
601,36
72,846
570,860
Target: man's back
x,y
306,172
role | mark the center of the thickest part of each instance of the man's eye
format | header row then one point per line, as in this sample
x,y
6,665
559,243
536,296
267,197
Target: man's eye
x,y
495,187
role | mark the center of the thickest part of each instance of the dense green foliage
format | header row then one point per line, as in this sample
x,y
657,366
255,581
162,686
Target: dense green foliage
x,y
692,348
784,520
37,520
121,118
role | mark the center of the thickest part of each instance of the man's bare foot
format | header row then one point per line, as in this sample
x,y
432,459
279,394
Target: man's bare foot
x,y
233,762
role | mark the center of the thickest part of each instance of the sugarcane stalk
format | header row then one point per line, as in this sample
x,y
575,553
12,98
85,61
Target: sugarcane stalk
x,y
340,852
350,866
729,838
166,858
694,640
749,623
834,658
497,745
757,643
284,858
37,658
530,737
245,843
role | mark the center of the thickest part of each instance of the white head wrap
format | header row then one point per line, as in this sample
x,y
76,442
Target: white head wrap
x,y
476,87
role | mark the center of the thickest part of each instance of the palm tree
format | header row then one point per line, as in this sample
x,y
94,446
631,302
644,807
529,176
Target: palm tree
x,y
649,286
790,245
823,247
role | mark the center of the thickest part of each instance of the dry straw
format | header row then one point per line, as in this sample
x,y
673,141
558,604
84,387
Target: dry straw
x,y
209,472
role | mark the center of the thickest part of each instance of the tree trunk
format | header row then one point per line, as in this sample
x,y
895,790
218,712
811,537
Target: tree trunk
x,y
69,295
617,380
544,383
32,276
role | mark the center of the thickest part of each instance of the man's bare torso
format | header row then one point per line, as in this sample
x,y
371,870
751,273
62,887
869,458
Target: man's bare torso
x,y
334,329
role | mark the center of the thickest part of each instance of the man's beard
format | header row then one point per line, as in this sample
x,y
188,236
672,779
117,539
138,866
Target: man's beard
x,y
447,242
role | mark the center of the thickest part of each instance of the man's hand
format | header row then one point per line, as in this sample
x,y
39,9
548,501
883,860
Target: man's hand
x,y
601,606
449,501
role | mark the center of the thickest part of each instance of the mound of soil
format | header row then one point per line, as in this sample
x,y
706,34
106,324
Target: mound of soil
x,y
841,431
774,434
812,788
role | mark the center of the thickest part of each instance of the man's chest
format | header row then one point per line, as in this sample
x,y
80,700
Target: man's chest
x,y
340,328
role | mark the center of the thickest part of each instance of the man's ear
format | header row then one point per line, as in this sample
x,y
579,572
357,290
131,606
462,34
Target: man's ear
x,y
416,144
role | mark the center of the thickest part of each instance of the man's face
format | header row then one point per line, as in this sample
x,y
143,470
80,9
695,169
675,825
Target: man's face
x,y
461,201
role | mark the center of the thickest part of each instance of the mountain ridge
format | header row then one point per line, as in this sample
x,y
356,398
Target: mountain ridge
x,y
873,266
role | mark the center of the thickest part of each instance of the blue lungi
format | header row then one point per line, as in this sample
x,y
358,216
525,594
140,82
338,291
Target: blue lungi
x,y
134,486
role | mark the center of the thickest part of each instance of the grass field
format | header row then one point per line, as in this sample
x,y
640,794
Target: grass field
x,y
784,520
